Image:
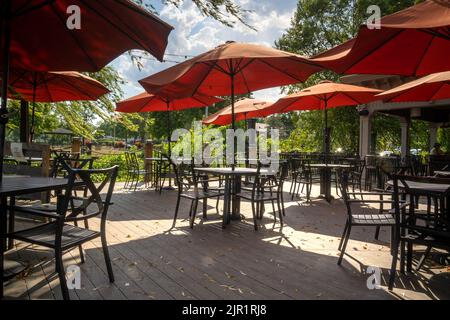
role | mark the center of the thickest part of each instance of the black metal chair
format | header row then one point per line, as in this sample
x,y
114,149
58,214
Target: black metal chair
x,y
266,188
134,171
362,216
415,228
194,187
61,233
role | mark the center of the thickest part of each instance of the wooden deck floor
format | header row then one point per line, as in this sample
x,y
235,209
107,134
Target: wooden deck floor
x,y
297,261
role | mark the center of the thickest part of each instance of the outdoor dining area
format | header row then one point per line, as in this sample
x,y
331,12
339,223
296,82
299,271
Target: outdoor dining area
x,y
227,218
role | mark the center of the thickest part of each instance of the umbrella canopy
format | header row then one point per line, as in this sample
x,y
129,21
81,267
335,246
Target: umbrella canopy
x,y
414,41
81,35
435,86
41,39
53,86
146,102
321,97
44,86
230,69
244,109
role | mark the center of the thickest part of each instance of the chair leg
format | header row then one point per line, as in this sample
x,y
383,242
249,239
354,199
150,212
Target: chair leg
x,y
423,258
377,232
344,245
280,211
393,266
194,213
61,274
217,205
282,204
80,248
409,256
343,236
11,224
176,211
255,220
106,256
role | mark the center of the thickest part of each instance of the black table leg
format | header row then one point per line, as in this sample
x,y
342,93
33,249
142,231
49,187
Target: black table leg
x,y
226,202
325,184
236,215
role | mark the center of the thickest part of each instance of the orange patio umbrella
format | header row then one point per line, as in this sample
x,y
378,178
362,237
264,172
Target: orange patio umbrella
x,y
80,35
44,86
244,109
435,86
230,69
411,42
146,102
321,97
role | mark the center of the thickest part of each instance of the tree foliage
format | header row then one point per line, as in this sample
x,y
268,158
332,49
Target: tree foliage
x,y
318,25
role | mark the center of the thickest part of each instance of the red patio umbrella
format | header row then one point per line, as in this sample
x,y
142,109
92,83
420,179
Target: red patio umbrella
x,y
52,87
146,102
41,40
230,69
435,86
321,97
244,109
40,35
414,41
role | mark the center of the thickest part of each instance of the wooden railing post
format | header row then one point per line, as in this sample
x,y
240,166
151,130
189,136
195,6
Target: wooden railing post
x,y
76,145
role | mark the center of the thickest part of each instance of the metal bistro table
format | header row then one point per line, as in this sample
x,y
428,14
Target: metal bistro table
x,y
442,173
10,187
232,187
425,188
325,177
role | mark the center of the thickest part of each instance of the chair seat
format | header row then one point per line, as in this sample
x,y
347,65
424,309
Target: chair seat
x,y
373,219
266,196
45,235
201,194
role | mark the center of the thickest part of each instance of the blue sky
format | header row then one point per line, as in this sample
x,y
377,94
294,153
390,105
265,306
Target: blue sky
x,y
195,34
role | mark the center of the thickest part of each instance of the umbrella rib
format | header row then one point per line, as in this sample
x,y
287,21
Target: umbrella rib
x,y
351,98
72,34
71,84
24,10
213,66
281,71
370,51
127,34
438,89
423,55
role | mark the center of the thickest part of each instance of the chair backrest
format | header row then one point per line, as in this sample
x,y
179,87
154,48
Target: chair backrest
x,y
343,177
184,175
95,203
63,163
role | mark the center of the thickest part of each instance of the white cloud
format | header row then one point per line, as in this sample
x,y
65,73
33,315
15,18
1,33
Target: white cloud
x,y
195,33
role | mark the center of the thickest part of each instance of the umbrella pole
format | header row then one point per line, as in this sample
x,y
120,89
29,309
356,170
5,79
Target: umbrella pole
x,y
168,128
233,124
326,137
33,108
6,37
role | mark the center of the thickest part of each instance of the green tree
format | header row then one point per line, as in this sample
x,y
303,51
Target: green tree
x,y
318,25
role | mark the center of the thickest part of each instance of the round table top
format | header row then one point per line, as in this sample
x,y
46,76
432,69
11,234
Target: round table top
x,y
423,186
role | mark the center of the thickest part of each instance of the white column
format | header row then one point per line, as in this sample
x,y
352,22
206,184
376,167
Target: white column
x,y
405,147
365,129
